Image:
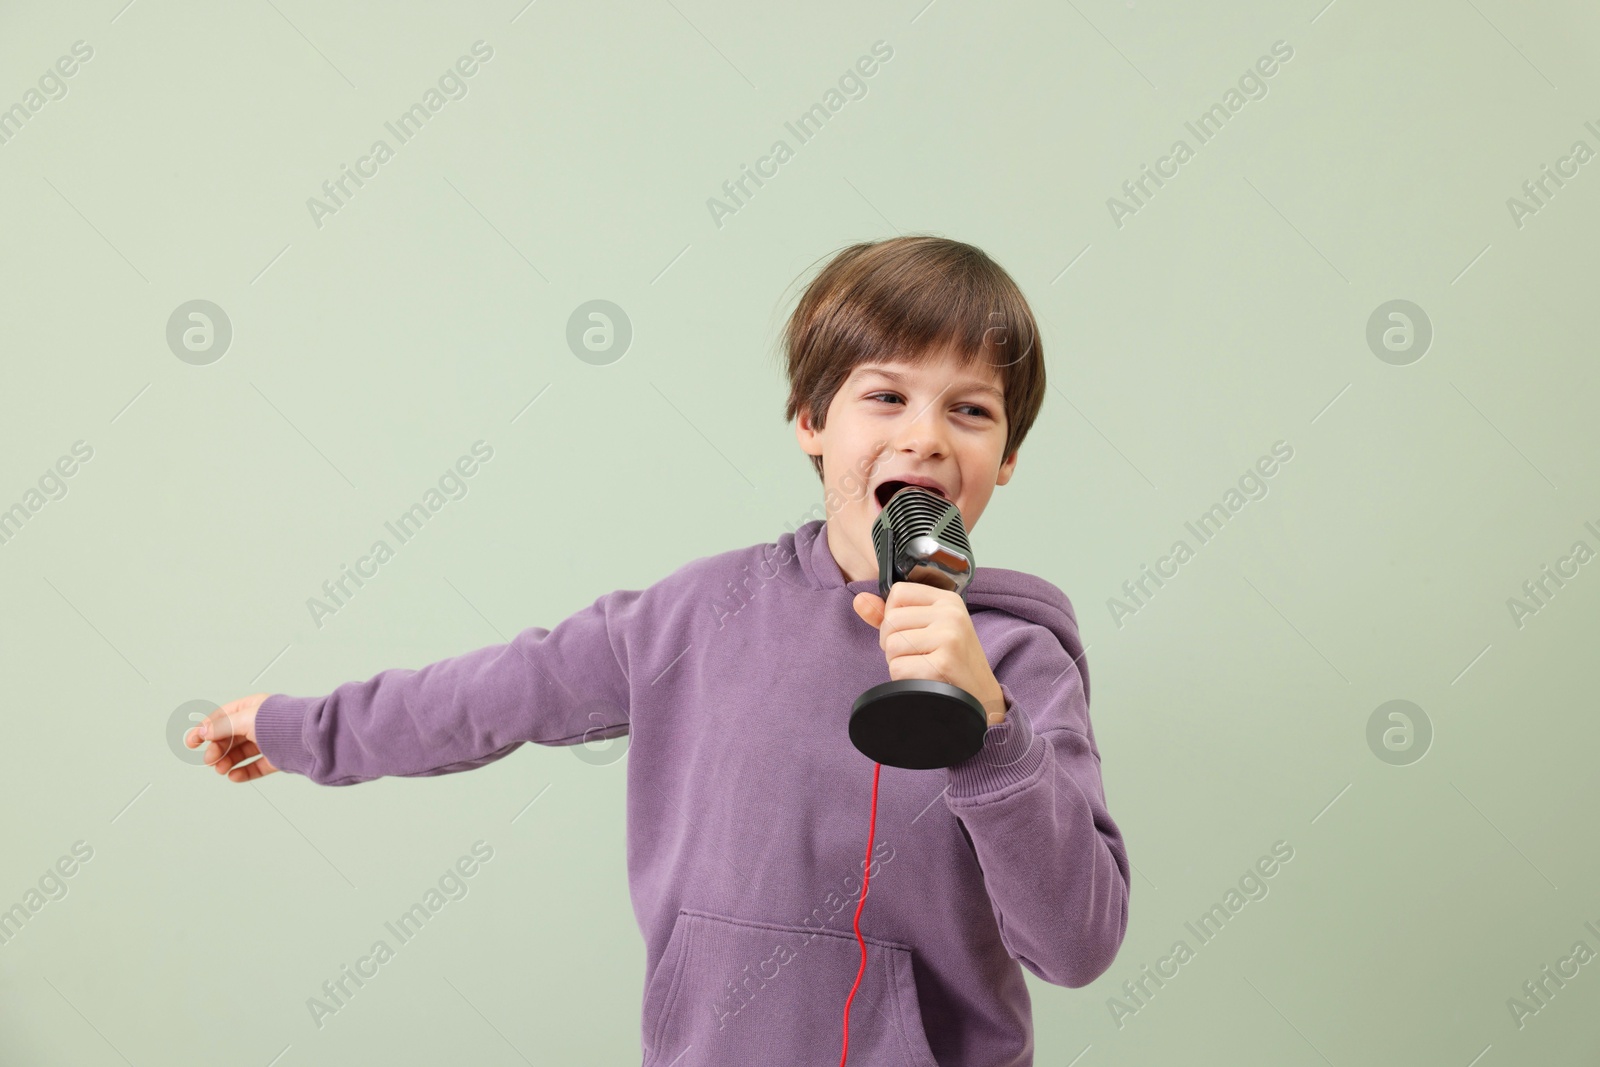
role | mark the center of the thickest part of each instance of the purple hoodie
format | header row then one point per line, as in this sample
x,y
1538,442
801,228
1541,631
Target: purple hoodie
x,y
734,678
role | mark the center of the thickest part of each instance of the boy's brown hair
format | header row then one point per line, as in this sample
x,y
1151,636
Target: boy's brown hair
x,y
910,298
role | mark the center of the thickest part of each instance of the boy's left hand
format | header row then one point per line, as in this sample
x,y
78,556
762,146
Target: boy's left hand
x,y
926,632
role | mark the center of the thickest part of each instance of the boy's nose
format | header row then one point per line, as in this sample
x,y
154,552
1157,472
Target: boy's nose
x,y
923,439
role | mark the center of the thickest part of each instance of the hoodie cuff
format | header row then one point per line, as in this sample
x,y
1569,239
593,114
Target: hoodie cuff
x,y
280,732
1011,753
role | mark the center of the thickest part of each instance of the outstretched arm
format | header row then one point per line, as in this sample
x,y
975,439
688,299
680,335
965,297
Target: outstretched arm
x,y
552,687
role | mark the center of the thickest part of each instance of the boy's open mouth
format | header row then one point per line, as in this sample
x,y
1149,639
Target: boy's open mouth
x,y
889,488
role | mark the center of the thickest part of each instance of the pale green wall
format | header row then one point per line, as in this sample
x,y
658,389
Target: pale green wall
x,y
1228,313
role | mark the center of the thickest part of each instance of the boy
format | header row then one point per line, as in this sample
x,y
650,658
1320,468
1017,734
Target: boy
x,y
917,360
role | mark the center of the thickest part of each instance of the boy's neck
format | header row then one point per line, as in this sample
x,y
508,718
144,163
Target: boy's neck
x,y
850,566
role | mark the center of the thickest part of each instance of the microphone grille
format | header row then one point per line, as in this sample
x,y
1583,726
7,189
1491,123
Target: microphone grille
x,y
914,511
919,536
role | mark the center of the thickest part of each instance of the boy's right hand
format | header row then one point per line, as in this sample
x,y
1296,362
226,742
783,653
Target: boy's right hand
x,y
229,734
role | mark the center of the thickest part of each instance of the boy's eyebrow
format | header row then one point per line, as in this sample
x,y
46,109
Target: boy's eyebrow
x,y
969,384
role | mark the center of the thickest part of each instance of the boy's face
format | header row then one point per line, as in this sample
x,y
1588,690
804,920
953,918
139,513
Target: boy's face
x,y
891,421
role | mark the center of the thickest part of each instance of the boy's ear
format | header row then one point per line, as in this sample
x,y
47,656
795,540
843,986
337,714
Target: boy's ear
x,y
810,438
1006,469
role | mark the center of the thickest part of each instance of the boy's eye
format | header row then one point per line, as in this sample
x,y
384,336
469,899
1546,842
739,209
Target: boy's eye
x,y
977,411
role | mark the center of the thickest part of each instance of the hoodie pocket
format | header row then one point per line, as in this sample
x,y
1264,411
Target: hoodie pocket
x,y
732,992
658,995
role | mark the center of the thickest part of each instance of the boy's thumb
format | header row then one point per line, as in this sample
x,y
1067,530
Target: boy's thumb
x,y
226,722
870,607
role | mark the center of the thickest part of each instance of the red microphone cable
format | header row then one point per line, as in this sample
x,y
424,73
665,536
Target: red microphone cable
x,y
866,876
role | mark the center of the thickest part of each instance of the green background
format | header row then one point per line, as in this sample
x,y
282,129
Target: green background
x,y
1229,313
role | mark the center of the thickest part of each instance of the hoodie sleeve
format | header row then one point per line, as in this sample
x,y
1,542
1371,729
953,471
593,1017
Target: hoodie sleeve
x,y
564,686
1031,799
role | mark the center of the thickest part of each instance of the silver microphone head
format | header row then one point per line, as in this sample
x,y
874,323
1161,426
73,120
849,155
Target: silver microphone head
x,y
919,537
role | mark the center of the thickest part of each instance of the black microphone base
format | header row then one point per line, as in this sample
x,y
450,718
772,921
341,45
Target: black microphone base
x,y
918,724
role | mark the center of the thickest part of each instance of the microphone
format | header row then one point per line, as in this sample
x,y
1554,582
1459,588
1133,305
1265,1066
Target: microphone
x,y
919,723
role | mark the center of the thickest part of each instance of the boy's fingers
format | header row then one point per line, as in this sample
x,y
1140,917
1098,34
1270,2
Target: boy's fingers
x,y
230,767
870,607
225,722
210,751
907,592
235,752
226,738
195,736
910,616
251,771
